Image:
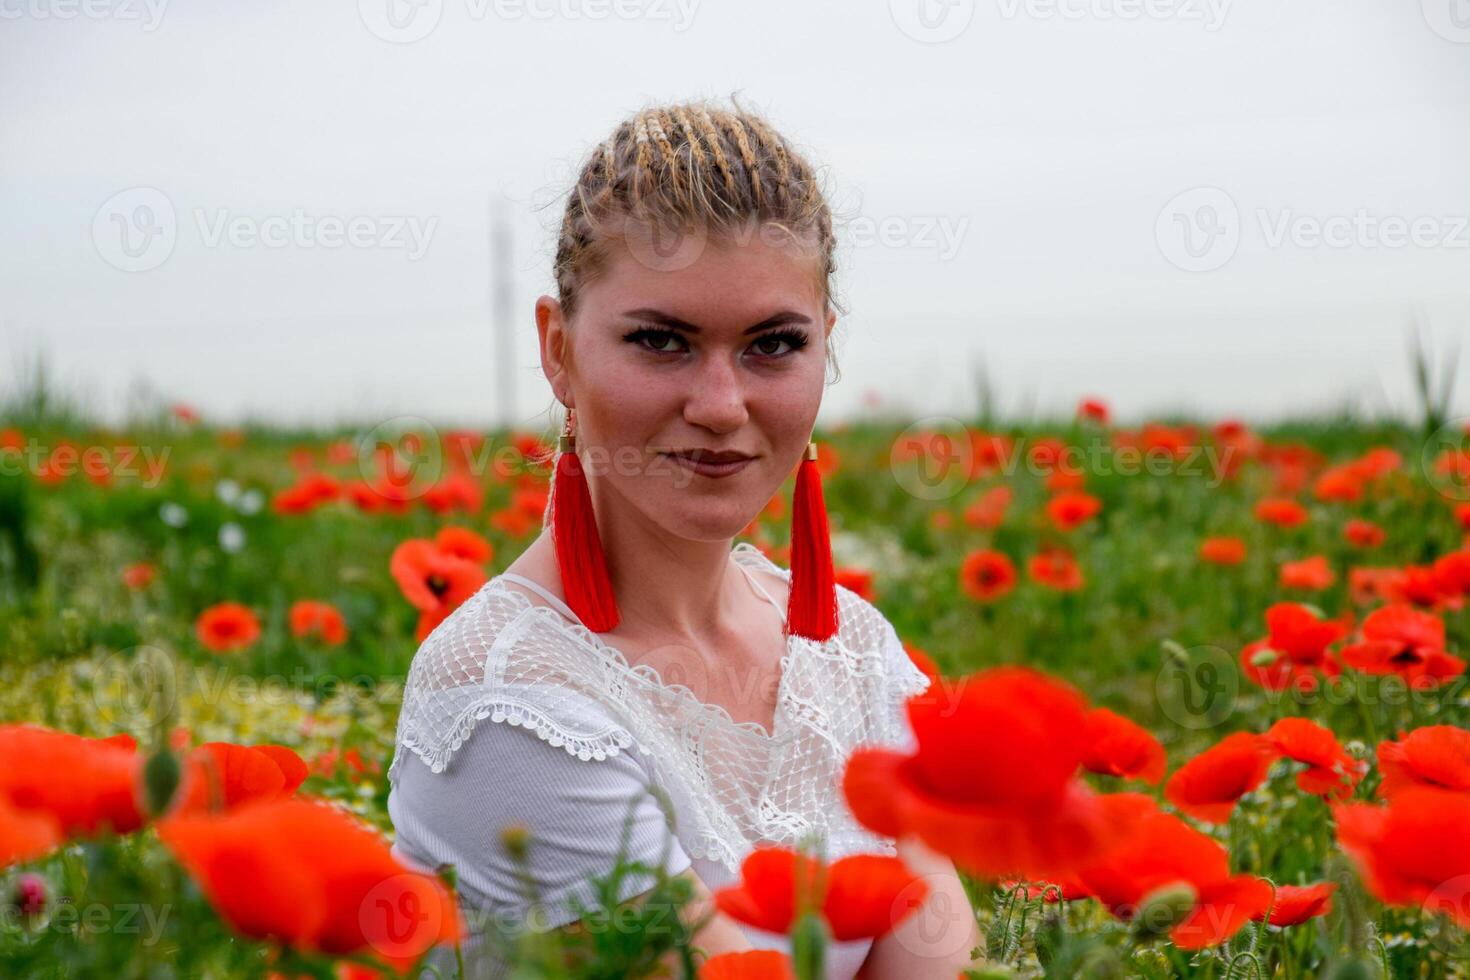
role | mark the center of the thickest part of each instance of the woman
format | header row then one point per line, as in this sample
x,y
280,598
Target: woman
x,y
630,670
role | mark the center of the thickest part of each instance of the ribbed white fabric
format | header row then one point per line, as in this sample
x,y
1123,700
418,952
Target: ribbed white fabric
x,y
622,732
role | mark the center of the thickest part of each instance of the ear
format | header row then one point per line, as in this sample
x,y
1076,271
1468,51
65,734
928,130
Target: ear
x,y
551,329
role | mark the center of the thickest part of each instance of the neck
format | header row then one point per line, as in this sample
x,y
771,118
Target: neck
x,y
665,584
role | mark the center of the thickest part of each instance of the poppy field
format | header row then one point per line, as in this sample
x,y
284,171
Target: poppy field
x,y
1198,703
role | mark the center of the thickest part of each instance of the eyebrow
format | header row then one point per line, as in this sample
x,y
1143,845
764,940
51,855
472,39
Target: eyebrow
x,y
674,323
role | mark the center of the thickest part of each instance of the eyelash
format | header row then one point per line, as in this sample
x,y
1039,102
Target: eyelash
x,y
790,335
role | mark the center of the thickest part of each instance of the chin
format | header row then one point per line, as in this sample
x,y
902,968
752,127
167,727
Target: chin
x,y
705,523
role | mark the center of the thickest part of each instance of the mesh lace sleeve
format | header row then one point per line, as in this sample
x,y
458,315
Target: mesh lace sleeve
x,y
904,680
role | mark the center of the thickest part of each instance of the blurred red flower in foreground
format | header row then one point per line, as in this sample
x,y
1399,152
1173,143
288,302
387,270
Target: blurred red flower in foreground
x,y
310,876
987,575
1163,852
26,834
222,776
1403,640
321,620
83,786
433,580
861,896
994,780
1435,756
227,626
1414,851
753,964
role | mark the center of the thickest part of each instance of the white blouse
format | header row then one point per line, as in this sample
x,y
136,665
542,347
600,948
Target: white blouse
x,y
698,790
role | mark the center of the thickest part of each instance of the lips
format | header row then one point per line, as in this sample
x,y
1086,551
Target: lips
x,y
706,456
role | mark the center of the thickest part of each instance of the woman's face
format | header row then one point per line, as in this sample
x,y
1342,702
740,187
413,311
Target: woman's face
x,y
726,354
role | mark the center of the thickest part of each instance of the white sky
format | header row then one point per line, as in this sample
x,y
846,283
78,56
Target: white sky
x,y
1047,135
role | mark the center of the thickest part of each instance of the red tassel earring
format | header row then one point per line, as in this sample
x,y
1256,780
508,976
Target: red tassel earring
x,y
811,610
579,554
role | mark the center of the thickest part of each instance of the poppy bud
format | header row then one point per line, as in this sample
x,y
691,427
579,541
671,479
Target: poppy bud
x,y
161,775
516,839
29,898
1164,908
1264,657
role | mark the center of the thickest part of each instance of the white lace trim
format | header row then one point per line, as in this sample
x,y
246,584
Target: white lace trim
x,y
504,657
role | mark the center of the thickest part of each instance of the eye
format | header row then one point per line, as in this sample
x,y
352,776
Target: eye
x,y
769,345
658,341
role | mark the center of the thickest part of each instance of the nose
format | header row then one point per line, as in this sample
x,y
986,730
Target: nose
x,y
717,400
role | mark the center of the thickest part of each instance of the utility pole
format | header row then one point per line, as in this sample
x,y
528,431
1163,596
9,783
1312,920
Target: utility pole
x,y
502,310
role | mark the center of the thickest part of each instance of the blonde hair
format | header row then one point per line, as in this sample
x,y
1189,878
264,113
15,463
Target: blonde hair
x,y
691,168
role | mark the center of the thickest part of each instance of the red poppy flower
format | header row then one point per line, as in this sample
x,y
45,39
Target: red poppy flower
x,y
1294,651
464,543
989,512
1313,574
1069,511
434,581
987,575
1452,574
1296,904
322,620
87,786
1281,511
139,575
858,580
310,876
1402,640
227,626
1062,481
861,896
222,775
512,521
1410,849
1094,409
1117,746
1436,756
457,490
1222,551
1055,569
1330,770
993,780
306,494
26,834
1065,888
1363,534
753,964
1208,786
1162,851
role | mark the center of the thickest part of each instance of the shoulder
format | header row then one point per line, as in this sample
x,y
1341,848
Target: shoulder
x,y
501,658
